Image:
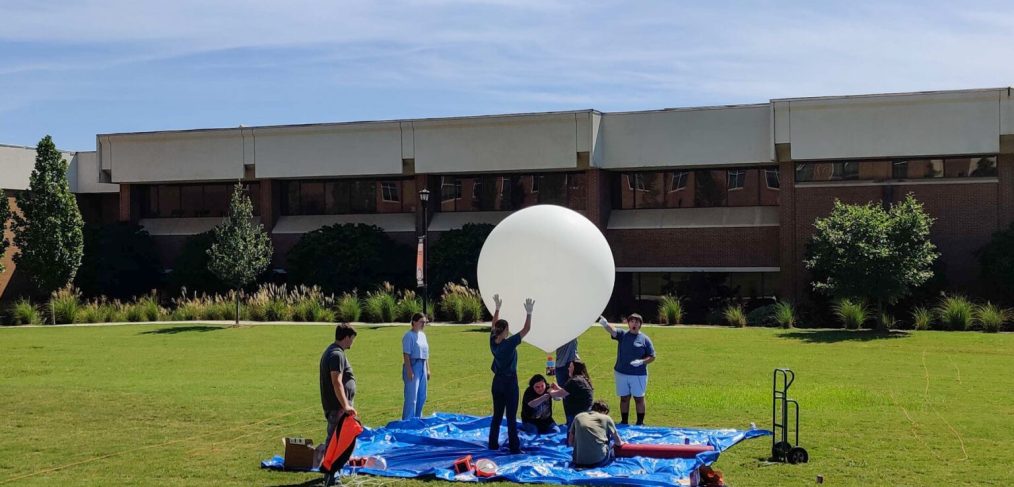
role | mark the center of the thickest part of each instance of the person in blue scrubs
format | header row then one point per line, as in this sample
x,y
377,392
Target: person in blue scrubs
x,y
415,371
504,348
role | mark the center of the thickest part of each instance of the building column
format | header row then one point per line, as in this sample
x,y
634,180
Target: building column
x,y
269,204
788,261
126,206
597,204
1005,172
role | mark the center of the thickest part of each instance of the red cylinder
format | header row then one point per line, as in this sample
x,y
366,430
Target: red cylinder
x,y
628,450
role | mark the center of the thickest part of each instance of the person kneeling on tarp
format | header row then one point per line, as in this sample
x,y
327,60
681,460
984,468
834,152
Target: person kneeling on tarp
x,y
589,435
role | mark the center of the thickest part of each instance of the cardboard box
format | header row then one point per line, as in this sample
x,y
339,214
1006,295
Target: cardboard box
x,y
300,454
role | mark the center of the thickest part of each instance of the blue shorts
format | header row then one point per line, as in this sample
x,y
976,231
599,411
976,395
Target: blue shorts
x,y
630,385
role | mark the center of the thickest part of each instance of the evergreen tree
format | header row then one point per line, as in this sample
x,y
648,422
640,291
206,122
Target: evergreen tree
x,y
241,249
48,230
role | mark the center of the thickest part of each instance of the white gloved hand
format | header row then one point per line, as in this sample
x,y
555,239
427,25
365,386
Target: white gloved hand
x,y
529,305
497,301
637,363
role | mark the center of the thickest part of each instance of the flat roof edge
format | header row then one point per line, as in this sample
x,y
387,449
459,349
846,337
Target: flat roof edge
x,y
903,93
354,122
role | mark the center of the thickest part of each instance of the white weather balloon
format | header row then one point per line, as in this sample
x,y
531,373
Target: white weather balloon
x,y
555,256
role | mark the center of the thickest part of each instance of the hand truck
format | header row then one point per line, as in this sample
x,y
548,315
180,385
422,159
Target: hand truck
x,y
782,450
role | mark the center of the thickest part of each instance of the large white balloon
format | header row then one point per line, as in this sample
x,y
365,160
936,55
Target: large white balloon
x,y
555,256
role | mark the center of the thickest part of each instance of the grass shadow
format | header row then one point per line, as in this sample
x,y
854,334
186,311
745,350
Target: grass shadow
x,y
478,329
181,329
308,483
838,336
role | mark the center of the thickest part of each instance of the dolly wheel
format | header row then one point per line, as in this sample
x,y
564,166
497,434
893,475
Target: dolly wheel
x,y
798,455
780,450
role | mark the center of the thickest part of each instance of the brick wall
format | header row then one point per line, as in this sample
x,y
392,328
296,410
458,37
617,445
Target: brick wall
x,y
695,247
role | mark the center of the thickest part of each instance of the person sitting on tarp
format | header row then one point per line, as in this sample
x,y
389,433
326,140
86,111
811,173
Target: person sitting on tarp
x,y
590,436
504,348
537,408
337,381
577,393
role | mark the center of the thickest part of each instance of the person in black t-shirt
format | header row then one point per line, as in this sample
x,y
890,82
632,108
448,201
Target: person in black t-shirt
x,y
337,381
504,348
537,407
577,393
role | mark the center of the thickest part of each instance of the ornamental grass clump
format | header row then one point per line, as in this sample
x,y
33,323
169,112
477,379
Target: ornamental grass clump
x,y
348,308
922,318
408,305
991,317
381,306
23,312
460,303
65,304
851,313
734,315
311,304
670,310
956,313
784,314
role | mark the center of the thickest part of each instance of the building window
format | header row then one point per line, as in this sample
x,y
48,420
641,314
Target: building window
x,y
450,188
193,200
909,169
737,177
678,181
345,196
390,192
698,188
509,193
771,179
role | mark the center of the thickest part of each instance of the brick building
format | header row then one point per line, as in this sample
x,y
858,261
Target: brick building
x,y
713,196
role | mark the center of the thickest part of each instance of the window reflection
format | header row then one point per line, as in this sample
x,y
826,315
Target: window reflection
x,y
193,200
513,192
348,196
881,170
698,188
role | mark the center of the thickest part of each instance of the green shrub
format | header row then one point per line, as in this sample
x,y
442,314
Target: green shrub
x,y
408,305
98,311
991,317
887,321
187,311
851,313
670,310
65,305
340,258
734,315
23,312
922,318
146,308
460,303
277,310
761,316
348,307
956,313
784,314
474,308
381,306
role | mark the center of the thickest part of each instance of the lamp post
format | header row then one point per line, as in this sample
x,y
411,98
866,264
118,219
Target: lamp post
x,y
422,278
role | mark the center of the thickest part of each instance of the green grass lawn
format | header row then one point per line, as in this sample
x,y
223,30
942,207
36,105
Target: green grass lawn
x,y
203,405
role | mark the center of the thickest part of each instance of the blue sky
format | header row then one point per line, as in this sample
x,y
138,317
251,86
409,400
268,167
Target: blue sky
x,y
73,69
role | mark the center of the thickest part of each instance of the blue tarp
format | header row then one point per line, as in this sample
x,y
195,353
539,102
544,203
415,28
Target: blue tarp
x,y
427,447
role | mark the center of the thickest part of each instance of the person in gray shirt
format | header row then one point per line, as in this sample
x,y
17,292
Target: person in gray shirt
x,y
337,381
566,354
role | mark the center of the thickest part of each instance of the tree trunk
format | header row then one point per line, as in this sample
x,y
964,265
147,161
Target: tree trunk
x,y
237,307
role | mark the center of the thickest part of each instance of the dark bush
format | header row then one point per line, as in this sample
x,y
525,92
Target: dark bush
x,y
119,261
455,256
341,258
190,270
996,260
